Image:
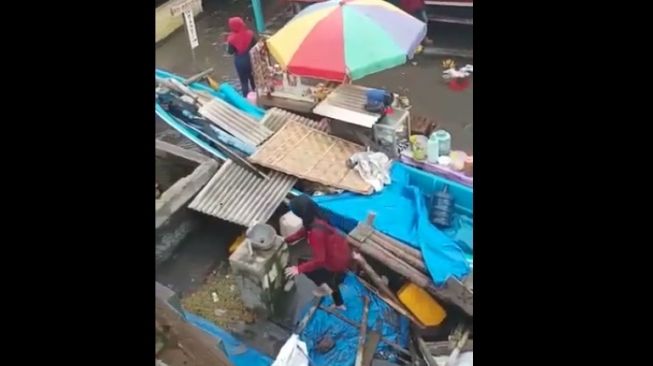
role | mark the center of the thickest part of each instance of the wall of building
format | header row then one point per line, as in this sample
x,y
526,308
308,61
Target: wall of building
x,y
165,23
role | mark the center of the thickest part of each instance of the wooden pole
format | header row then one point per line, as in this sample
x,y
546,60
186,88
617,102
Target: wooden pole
x,y
404,251
363,332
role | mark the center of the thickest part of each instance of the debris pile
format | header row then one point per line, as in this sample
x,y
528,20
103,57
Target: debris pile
x,y
218,300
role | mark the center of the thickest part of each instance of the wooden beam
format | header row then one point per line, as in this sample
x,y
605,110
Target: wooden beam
x,y
362,335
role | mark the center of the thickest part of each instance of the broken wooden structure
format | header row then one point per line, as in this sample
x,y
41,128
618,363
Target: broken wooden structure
x,y
408,262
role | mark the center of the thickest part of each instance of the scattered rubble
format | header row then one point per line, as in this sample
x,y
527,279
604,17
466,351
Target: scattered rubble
x,y
226,307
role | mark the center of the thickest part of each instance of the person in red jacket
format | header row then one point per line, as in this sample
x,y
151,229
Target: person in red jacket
x,y
416,8
331,252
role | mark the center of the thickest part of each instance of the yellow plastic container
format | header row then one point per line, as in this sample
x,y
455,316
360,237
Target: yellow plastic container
x,y
236,243
421,304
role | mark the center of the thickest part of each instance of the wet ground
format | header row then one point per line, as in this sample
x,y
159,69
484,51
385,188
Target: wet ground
x,y
422,83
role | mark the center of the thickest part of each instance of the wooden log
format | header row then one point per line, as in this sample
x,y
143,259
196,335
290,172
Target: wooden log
x,y
392,251
398,306
362,335
384,239
393,263
198,76
390,343
376,278
372,342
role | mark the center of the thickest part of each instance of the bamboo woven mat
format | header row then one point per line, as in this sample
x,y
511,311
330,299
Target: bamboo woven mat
x,y
312,155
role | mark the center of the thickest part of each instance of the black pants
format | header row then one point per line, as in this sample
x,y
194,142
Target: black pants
x,y
244,71
333,279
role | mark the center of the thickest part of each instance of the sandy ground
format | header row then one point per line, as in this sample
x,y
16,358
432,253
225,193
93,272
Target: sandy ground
x,y
421,83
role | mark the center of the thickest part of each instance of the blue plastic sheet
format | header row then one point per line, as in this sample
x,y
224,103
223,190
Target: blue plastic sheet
x,y
225,92
401,212
391,325
237,352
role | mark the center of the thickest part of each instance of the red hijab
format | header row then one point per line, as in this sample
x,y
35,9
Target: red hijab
x,y
240,36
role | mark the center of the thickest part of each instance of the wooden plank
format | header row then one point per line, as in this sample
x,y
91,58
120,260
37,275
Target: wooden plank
x,y
198,76
362,335
372,342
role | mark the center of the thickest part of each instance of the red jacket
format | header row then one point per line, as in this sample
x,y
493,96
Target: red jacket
x,y
330,249
411,6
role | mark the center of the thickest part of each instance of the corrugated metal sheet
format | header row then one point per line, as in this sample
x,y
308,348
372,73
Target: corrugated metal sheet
x,y
236,122
236,195
347,103
275,118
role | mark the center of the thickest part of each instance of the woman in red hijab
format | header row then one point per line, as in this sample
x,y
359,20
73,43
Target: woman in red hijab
x,y
331,252
240,40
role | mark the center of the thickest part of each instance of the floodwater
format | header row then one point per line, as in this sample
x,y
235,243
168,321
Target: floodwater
x,y
422,83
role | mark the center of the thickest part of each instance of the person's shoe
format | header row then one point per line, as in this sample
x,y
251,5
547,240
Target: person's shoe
x,y
339,307
322,290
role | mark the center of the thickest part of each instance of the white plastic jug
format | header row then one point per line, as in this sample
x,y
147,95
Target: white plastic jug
x,y
432,149
289,224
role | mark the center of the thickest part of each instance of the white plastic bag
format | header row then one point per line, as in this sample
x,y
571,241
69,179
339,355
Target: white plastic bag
x,y
293,353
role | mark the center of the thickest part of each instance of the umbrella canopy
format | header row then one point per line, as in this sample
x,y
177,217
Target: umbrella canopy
x,y
338,38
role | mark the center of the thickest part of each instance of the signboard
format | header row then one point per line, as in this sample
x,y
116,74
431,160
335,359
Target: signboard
x,y
178,7
189,20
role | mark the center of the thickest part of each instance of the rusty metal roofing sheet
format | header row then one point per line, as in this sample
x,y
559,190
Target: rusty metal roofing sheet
x,y
313,155
236,122
275,118
347,103
236,195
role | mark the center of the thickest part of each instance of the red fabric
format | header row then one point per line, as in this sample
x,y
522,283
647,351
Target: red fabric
x,y
411,6
322,53
459,84
240,36
330,249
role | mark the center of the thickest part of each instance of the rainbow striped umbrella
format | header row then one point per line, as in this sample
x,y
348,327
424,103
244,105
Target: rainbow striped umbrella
x,y
337,39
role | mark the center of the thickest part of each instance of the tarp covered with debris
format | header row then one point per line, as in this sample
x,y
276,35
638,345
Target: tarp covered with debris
x,y
381,317
402,213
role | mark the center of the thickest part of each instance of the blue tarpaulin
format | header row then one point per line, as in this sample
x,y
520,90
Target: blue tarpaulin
x,y
225,92
237,352
402,213
381,317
